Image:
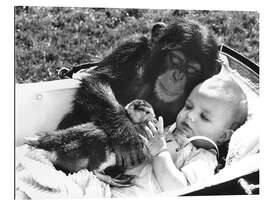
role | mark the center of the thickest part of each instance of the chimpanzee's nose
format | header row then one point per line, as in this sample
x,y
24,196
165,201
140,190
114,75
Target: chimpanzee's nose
x,y
177,75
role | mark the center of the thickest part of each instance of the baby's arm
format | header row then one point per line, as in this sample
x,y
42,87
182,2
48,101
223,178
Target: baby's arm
x,y
168,176
200,166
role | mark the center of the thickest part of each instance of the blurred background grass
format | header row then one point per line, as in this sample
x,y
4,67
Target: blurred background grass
x,y
47,38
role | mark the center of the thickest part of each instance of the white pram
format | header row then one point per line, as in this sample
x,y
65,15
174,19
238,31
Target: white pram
x,y
41,106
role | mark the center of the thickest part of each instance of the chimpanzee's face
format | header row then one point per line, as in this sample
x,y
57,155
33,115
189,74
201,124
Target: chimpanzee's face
x,y
179,71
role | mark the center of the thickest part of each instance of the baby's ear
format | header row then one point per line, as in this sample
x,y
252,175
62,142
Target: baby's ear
x,y
226,136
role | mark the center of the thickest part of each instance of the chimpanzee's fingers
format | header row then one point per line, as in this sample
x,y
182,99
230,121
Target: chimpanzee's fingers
x,y
137,156
119,159
143,108
127,159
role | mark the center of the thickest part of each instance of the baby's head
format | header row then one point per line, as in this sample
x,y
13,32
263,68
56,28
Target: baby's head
x,y
214,109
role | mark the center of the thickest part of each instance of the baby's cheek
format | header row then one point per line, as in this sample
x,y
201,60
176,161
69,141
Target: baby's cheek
x,y
179,118
204,130
200,129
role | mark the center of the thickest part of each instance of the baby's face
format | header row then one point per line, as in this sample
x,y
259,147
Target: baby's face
x,y
205,114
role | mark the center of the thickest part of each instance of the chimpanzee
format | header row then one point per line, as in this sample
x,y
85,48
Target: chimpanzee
x,y
161,70
103,142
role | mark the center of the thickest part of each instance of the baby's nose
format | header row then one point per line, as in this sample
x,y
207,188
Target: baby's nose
x,y
191,117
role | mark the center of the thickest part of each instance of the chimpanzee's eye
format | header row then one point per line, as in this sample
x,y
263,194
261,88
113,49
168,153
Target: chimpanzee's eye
x,y
191,70
193,67
177,58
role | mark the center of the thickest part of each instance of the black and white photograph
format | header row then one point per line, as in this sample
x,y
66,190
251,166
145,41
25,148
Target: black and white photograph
x,y
135,102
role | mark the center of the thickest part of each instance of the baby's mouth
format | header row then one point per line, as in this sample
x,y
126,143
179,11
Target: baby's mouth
x,y
186,128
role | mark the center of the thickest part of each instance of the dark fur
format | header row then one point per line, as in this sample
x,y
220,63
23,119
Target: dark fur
x,y
129,73
132,68
111,130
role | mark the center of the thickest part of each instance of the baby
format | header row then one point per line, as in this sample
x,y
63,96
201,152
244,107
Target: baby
x,y
189,153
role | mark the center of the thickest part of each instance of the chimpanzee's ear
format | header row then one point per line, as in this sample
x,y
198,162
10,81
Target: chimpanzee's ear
x,y
157,30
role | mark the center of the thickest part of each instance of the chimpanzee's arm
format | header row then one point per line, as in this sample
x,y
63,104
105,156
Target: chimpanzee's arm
x,y
92,97
97,97
117,70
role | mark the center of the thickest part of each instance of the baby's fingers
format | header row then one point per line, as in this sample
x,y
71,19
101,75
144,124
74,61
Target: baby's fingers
x,y
152,127
145,141
149,133
160,125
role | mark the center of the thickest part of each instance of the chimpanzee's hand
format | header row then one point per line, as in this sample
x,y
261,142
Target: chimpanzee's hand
x,y
140,111
129,157
129,147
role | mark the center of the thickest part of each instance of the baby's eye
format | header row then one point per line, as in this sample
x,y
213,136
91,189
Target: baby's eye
x,y
188,106
204,117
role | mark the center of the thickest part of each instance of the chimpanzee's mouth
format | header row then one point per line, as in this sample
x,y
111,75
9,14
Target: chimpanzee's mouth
x,y
167,91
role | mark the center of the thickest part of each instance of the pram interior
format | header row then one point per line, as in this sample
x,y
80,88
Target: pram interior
x,y
41,106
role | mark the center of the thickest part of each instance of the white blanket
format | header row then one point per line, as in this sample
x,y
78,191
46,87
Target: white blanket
x,y
36,178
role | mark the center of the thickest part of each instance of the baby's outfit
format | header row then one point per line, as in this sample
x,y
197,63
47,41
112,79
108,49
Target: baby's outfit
x,y
197,164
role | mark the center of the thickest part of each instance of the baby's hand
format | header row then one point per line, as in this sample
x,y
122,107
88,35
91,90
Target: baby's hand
x,y
156,141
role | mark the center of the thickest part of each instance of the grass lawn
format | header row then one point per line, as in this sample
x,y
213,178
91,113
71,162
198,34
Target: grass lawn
x,y
47,38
